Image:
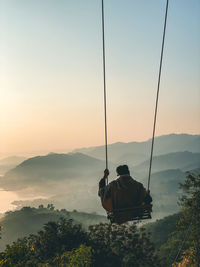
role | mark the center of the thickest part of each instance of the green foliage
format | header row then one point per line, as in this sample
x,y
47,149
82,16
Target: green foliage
x,y
81,257
50,207
54,239
21,223
57,238
64,243
122,245
15,255
161,229
188,226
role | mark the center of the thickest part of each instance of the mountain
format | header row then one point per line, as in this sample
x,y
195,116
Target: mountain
x,y
179,160
165,192
67,180
9,163
161,229
71,180
134,153
20,223
52,168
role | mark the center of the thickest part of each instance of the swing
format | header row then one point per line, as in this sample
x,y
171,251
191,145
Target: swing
x,y
138,213
142,212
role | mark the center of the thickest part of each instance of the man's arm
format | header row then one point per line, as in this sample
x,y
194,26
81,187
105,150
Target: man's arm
x,y
148,199
144,195
105,192
102,184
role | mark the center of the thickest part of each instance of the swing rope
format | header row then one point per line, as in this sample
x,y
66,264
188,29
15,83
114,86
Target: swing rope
x,y
104,86
157,96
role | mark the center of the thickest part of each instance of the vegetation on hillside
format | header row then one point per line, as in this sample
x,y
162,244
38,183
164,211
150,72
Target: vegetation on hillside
x,y
26,221
64,243
184,243
161,229
176,237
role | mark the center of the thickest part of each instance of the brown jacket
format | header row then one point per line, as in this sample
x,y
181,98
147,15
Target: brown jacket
x,y
123,192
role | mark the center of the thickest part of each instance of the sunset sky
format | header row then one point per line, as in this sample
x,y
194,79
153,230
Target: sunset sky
x,y
51,83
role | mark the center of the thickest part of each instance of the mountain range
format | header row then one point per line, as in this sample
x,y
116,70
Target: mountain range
x,y
137,152
71,180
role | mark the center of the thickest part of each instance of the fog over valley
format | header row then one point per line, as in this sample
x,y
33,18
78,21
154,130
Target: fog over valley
x,y
70,180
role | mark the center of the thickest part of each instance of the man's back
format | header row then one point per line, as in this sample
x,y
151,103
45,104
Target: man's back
x,y
125,192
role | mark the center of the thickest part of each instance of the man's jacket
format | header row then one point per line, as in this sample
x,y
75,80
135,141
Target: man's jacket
x,y
123,192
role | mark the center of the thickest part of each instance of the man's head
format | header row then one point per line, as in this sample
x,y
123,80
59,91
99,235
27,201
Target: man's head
x,y
122,170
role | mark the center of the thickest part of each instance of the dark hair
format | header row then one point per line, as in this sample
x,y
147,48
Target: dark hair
x,y
122,169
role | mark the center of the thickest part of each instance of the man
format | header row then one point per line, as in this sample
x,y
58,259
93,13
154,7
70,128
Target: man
x,y
122,194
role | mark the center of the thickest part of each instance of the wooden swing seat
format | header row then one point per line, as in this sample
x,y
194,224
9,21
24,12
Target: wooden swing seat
x,y
123,215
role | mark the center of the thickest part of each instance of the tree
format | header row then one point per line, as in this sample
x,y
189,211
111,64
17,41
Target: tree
x,y
81,257
190,202
40,250
187,260
187,234
64,243
122,245
50,207
56,238
15,255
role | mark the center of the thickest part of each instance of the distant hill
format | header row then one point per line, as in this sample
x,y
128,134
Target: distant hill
x,y
164,188
52,168
134,153
9,163
179,160
161,229
21,223
71,180
165,192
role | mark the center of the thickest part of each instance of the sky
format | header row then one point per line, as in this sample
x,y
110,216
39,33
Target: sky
x,y
51,81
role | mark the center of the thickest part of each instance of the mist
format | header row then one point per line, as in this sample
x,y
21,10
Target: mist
x,y
70,180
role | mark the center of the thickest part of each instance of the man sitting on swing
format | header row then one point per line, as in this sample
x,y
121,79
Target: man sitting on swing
x,y
123,194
